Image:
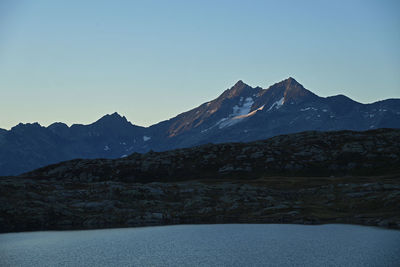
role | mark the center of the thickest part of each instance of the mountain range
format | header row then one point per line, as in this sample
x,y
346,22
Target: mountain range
x,y
240,114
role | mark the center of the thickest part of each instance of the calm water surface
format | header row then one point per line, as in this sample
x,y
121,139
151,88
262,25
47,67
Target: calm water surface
x,y
206,245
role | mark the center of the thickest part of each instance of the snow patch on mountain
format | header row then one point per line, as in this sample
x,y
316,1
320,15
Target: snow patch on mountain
x,y
244,109
239,113
309,108
250,113
277,104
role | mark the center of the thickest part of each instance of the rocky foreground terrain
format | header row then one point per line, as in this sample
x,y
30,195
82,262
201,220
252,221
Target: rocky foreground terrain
x,y
306,178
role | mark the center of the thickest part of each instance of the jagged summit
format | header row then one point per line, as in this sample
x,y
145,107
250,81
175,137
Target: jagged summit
x,y
238,86
287,84
239,89
290,90
239,83
26,126
114,117
291,80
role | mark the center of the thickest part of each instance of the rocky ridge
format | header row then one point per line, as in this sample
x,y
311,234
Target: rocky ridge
x,y
307,178
307,153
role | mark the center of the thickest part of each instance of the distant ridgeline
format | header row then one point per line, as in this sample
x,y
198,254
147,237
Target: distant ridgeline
x,y
240,114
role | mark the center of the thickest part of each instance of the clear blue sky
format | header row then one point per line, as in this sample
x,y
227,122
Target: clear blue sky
x,y
74,61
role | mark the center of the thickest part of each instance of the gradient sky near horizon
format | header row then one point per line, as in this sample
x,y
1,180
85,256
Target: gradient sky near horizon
x,y
74,61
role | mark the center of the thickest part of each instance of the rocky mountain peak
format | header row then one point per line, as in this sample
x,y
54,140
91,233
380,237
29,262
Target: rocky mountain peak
x,y
291,80
26,127
291,90
239,89
114,117
57,125
114,122
288,84
239,83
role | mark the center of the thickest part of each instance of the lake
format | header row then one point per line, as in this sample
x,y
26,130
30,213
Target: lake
x,y
206,245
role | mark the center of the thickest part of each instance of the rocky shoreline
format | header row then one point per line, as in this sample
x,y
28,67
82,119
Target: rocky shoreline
x,y
42,205
87,194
